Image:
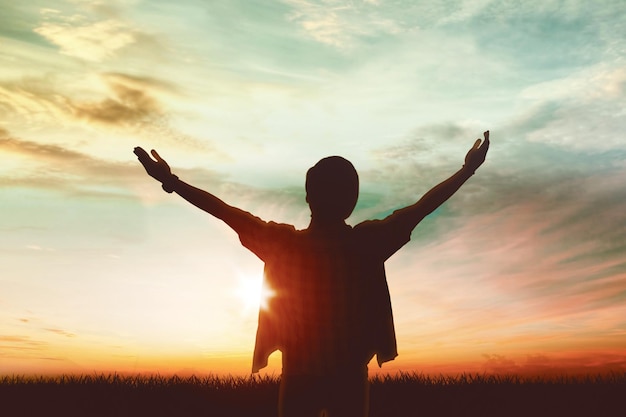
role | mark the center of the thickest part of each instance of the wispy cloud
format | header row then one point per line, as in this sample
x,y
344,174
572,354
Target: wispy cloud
x,y
130,103
42,151
579,111
60,164
532,246
14,346
31,100
432,145
544,365
428,155
80,37
60,332
340,23
60,169
547,263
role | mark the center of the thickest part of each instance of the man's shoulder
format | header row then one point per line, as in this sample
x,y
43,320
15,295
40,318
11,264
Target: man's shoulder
x,y
369,225
279,231
391,223
369,230
277,225
382,236
267,238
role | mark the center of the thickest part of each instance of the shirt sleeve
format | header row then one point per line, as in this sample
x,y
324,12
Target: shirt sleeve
x,y
384,237
260,237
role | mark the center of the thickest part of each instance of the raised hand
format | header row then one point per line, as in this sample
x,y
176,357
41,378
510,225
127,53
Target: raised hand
x,y
476,156
159,169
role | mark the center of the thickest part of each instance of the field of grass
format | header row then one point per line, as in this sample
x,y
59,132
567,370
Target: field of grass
x,y
400,395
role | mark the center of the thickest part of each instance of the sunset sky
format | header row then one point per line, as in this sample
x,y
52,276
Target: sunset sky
x,y
524,270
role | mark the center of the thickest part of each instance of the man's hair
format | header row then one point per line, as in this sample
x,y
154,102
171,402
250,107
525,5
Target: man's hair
x,y
332,188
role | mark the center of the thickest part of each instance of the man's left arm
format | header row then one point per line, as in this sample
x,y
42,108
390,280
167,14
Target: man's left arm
x,y
410,216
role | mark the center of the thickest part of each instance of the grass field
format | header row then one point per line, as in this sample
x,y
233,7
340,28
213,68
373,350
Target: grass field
x,y
400,395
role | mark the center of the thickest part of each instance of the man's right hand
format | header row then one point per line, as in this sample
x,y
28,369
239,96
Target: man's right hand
x,y
159,169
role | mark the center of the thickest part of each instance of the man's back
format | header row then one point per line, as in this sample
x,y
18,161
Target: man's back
x,y
330,311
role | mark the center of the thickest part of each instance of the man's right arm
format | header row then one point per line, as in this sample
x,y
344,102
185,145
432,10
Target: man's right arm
x,y
232,216
158,169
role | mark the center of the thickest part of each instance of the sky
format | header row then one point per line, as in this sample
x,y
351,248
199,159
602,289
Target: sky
x,y
522,271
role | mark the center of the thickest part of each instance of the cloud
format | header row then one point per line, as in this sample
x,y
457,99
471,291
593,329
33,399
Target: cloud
x,y
543,267
129,104
57,168
528,252
60,332
341,23
579,111
429,155
430,144
543,365
62,160
90,41
600,82
12,346
499,364
465,10
31,101
61,164
559,226
44,152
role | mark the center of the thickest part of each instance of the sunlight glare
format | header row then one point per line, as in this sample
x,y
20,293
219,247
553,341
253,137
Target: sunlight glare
x,y
253,293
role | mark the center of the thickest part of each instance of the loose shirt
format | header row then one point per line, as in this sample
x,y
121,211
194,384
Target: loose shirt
x,y
330,310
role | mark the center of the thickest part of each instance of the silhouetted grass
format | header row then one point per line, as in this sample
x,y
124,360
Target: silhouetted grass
x,y
405,394
408,394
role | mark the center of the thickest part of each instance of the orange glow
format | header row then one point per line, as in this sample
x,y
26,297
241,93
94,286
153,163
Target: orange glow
x,y
254,293
521,271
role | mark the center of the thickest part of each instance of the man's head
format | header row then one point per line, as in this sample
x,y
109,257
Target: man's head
x,y
332,188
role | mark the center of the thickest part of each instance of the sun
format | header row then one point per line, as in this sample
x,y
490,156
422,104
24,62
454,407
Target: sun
x,y
253,293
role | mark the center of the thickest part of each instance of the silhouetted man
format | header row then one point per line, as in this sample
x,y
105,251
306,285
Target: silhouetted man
x,y
331,312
